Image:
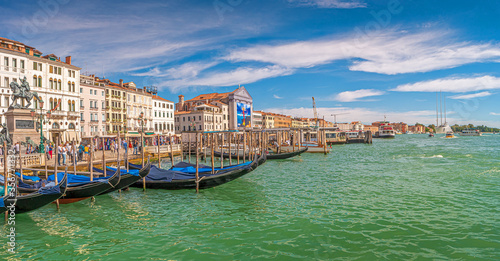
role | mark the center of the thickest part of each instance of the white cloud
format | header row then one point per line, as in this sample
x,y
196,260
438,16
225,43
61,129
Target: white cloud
x,y
471,96
494,114
452,85
277,97
187,70
386,52
242,75
352,96
330,3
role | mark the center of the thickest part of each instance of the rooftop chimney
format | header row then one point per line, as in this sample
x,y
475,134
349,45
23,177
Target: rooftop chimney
x,y
121,82
68,59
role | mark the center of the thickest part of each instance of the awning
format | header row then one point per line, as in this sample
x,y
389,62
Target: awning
x,y
132,132
149,133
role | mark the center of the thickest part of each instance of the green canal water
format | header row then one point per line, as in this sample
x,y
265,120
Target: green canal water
x,y
410,198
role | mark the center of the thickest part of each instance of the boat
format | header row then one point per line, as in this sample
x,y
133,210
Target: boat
x,y
385,130
470,132
127,177
335,137
270,156
35,200
431,134
184,178
79,187
450,135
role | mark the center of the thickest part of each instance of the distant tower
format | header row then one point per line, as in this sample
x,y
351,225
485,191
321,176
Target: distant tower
x,y
180,105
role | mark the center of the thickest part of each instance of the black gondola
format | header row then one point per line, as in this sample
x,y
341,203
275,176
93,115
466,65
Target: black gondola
x,y
35,200
268,156
82,190
207,180
126,179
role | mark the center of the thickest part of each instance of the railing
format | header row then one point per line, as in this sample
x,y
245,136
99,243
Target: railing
x,y
163,148
28,160
59,113
73,114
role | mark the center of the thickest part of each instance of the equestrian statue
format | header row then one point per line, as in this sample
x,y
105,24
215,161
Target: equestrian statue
x,y
23,92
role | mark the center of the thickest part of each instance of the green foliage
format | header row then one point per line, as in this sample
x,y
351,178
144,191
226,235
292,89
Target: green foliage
x,y
481,128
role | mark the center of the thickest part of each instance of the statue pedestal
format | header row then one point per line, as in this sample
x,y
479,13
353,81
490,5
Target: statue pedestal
x,y
21,126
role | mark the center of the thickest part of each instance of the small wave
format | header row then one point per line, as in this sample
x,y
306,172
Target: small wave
x,y
435,156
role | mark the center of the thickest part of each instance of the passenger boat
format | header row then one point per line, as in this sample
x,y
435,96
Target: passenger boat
x,y
182,176
450,134
431,134
385,130
470,132
34,200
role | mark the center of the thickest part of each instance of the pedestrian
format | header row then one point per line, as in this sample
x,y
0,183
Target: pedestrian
x,y
50,150
69,151
64,154
59,154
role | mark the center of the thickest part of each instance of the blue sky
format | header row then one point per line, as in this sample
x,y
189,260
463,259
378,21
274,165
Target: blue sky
x,y
363,59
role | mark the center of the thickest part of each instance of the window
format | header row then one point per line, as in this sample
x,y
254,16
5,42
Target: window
x,y
34,80
102,94
95,93
73,74
39,81
14,63
51,69
22,64
81,90
81,117
59,70
59,84
6,61
81,103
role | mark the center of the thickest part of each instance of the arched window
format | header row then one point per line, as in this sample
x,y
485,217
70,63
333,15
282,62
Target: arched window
x,y
60,105
73,106
59,85
69,86
36,104
71,126
51,102
69,105
55,125
34,80
73,84
39,81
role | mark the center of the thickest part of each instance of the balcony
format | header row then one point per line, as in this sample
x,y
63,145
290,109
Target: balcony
x,y
57,113
94,108
73,114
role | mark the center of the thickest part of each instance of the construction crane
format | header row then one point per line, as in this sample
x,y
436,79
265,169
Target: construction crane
x,y
315,112
335,116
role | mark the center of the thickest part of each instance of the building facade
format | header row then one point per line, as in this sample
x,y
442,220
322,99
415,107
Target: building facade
x,y
55,81
92,107
204,117
163,115
257,120
239,102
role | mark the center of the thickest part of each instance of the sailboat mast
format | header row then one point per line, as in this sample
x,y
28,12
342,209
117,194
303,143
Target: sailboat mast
x,y
444,99
441,106
437,115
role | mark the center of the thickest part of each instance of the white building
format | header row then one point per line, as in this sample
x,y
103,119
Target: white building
x,y
92,107
163,115
205,117
55,81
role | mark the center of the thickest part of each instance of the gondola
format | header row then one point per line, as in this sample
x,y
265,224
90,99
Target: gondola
x,y
127,178
269,156
173,180
35,200
79,187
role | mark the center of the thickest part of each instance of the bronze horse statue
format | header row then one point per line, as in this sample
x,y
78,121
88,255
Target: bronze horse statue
x,y
23,92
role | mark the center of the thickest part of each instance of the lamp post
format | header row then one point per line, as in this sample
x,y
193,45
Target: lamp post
x,y
39,119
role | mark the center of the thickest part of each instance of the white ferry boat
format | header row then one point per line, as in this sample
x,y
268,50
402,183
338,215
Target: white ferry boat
x,y
470,132
450,134
386,130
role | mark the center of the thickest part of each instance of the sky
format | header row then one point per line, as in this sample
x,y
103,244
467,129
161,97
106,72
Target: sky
x,y
362,60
